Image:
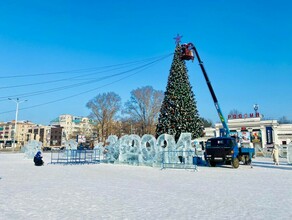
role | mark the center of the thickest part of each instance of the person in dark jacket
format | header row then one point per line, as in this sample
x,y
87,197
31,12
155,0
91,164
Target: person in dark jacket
x,y
38,159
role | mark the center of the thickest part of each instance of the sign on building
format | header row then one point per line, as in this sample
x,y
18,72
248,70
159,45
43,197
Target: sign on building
x,y
269,133
81,139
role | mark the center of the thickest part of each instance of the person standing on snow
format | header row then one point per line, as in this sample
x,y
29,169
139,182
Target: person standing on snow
x,y
275,155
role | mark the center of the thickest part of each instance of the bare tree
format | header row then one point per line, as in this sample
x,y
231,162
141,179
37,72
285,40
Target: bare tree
x,y
206,122
143,107
104,108
284,120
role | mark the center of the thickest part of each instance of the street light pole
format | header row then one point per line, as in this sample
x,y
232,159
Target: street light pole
x,y
256,108
17,101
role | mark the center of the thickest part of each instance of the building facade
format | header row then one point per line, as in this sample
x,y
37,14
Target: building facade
x,y
74,126
50,136
26,130
255,131
63,128
8,135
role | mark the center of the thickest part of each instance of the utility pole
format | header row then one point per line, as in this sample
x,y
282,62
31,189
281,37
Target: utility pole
x,y
17,101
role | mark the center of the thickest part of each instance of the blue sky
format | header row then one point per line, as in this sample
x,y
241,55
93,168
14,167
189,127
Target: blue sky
x,y
245,45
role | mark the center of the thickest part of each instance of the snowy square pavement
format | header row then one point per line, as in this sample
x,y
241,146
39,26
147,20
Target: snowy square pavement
x,y
107,191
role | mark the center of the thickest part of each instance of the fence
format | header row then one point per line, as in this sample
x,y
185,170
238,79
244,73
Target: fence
x,y
283,151
289,154
170,159
75,156
267,152
179,160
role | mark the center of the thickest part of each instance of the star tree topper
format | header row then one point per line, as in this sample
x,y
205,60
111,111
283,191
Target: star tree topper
x,y
177,39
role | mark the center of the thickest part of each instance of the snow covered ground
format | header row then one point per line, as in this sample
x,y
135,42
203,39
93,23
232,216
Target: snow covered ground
x,y
107,191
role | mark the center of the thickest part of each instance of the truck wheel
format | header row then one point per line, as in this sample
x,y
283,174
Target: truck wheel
x,y
235,163
212,163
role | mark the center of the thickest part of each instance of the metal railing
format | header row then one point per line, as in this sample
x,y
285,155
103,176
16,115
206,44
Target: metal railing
x,y
75,156
267,152
179,160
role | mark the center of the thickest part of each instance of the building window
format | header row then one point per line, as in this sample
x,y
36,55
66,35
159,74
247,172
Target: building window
x,y
284,142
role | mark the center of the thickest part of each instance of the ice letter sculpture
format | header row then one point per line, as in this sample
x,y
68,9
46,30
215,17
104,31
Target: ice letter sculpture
x,y
132,149
31,148
112,150
149,150
186,152
71,144
167,147
124,142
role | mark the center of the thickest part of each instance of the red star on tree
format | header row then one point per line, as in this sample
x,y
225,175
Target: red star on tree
x,y
177,38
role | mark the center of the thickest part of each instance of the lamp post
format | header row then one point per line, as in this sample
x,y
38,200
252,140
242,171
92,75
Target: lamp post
x,y
256,108
17,101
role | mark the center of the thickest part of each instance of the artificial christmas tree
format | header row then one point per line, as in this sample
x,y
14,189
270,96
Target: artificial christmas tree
x,y
178,113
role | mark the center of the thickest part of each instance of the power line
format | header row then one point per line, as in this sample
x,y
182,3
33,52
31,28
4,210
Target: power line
x,y
144,67
76,70
53,81
77,84
75,77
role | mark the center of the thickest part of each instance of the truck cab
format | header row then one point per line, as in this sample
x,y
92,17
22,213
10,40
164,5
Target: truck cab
x,y
222,150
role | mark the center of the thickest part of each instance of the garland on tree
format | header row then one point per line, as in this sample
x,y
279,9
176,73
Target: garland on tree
x,y
178,113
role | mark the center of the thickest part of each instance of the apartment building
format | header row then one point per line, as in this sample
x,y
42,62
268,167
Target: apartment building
x,y
8,135
74,125
26,130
